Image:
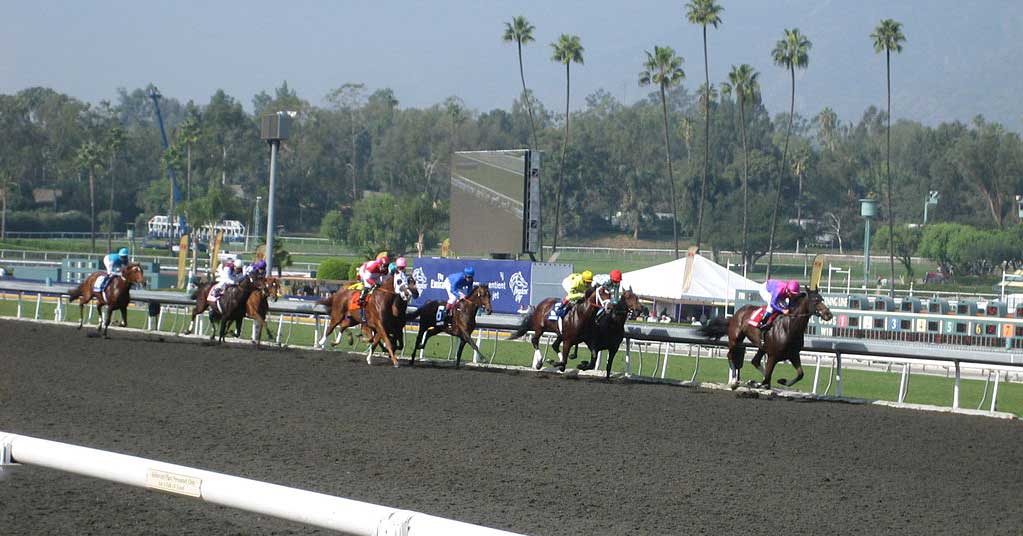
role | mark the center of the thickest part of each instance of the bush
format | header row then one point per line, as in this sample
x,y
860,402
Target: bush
x,y
53,222
353,271
334,269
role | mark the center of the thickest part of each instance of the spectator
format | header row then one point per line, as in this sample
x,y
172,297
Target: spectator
x,y
3,273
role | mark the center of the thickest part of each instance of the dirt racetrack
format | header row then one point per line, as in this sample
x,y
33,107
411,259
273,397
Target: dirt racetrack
x,y
520,451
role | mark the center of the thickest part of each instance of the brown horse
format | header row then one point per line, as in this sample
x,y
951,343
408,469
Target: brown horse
x,y
569,329
257,307
377,314
201,303
607,332
115,296
782,341
406,292
462,324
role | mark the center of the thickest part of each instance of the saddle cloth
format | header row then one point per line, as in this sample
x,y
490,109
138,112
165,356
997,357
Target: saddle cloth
x,y
353,302
757,316
100,282
554,313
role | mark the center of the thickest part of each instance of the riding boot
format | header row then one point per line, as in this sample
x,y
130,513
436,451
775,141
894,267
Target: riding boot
x,y
362,295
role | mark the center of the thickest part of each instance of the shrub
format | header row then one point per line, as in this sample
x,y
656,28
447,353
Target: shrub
x,y
334,269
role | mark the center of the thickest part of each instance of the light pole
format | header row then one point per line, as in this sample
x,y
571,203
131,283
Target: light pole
x,y
868,209
274,128
932,199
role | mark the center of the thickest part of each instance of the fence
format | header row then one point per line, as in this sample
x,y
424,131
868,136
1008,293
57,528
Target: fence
x,y
316,509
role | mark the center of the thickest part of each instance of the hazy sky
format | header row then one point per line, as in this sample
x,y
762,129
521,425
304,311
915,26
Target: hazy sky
x,y
958,60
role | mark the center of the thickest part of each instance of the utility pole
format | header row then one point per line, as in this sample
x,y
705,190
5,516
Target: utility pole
x,y
274,128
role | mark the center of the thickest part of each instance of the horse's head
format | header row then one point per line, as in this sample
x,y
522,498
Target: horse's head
x,y
134,274
815,305
481,295
599,297
413,288
630,301
272,287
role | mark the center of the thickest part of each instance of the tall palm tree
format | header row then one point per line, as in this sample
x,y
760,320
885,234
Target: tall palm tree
x,y
827,123
791,52
567,50
704,13
664,68
743,81
89,159
888,37
520,31
115,144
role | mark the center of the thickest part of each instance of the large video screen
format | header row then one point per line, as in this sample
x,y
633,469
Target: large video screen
x,y
488,189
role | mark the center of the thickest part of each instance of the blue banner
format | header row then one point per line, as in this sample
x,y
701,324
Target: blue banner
x,y
509,281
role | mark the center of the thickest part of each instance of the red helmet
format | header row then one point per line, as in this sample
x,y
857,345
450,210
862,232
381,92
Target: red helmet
x,y
616,276
792,287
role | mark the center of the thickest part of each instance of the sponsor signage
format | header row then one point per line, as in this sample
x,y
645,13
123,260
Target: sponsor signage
x,y
509,281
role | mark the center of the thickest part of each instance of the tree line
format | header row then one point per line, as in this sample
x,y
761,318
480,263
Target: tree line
x,y
709,163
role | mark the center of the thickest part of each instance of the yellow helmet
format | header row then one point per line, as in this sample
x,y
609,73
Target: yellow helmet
x,y
587,276
382,255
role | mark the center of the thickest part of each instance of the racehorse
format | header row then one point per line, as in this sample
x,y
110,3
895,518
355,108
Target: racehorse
x,y
201,303
569,329
377,314
783,340
257,307
463,321
406,292
609,330
115,296
232,305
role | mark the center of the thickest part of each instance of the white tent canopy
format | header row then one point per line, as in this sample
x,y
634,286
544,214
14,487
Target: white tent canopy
x,y
710,282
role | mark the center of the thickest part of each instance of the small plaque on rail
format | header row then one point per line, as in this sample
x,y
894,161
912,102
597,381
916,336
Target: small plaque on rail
x,y
174,483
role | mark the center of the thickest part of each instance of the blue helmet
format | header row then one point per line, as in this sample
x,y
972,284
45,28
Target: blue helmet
x,y
123,252
469,271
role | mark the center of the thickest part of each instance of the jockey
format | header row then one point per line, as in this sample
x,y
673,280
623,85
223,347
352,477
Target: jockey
x,y
397,269
611,282
256,269
781,293
575,286
458,285
114,263
227,275
370,274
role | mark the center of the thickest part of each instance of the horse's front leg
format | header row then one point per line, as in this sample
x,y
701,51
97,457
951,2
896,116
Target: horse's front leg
x,y
772,360
81,314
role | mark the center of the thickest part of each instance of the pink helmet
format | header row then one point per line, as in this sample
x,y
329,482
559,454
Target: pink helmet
x,y
401,262
792,287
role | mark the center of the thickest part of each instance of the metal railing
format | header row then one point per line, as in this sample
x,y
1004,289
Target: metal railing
x,y
640,338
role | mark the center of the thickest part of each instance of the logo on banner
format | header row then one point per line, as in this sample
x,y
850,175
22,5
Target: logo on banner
x,y
420,277
519,286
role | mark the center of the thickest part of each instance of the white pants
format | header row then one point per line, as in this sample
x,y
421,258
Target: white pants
x,y
110,267
452,296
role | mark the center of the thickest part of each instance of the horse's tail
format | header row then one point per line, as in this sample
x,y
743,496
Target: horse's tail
x,y
524,326
75,293
716,328
325,301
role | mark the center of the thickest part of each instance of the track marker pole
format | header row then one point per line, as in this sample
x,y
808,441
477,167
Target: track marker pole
x,y
955,388
816,375
838,373
994,391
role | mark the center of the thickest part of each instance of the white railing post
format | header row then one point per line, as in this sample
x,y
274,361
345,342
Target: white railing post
x,y
994,391
39,303
838,373
955,388
20,295
628,357
816,375
903,382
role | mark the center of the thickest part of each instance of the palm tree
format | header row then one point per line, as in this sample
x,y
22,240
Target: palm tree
x,y
89,159
743,81
790,52
188,135
115,144
520,31
664,68
888,37
567,51
827,123
703,13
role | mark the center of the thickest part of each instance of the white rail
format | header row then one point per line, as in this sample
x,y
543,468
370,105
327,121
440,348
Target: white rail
x,y
316,509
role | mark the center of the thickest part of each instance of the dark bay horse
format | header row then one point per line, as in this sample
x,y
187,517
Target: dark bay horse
x,y
115,297
607,332
783,341
405,293
201,303
232,305
463,321
569,329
